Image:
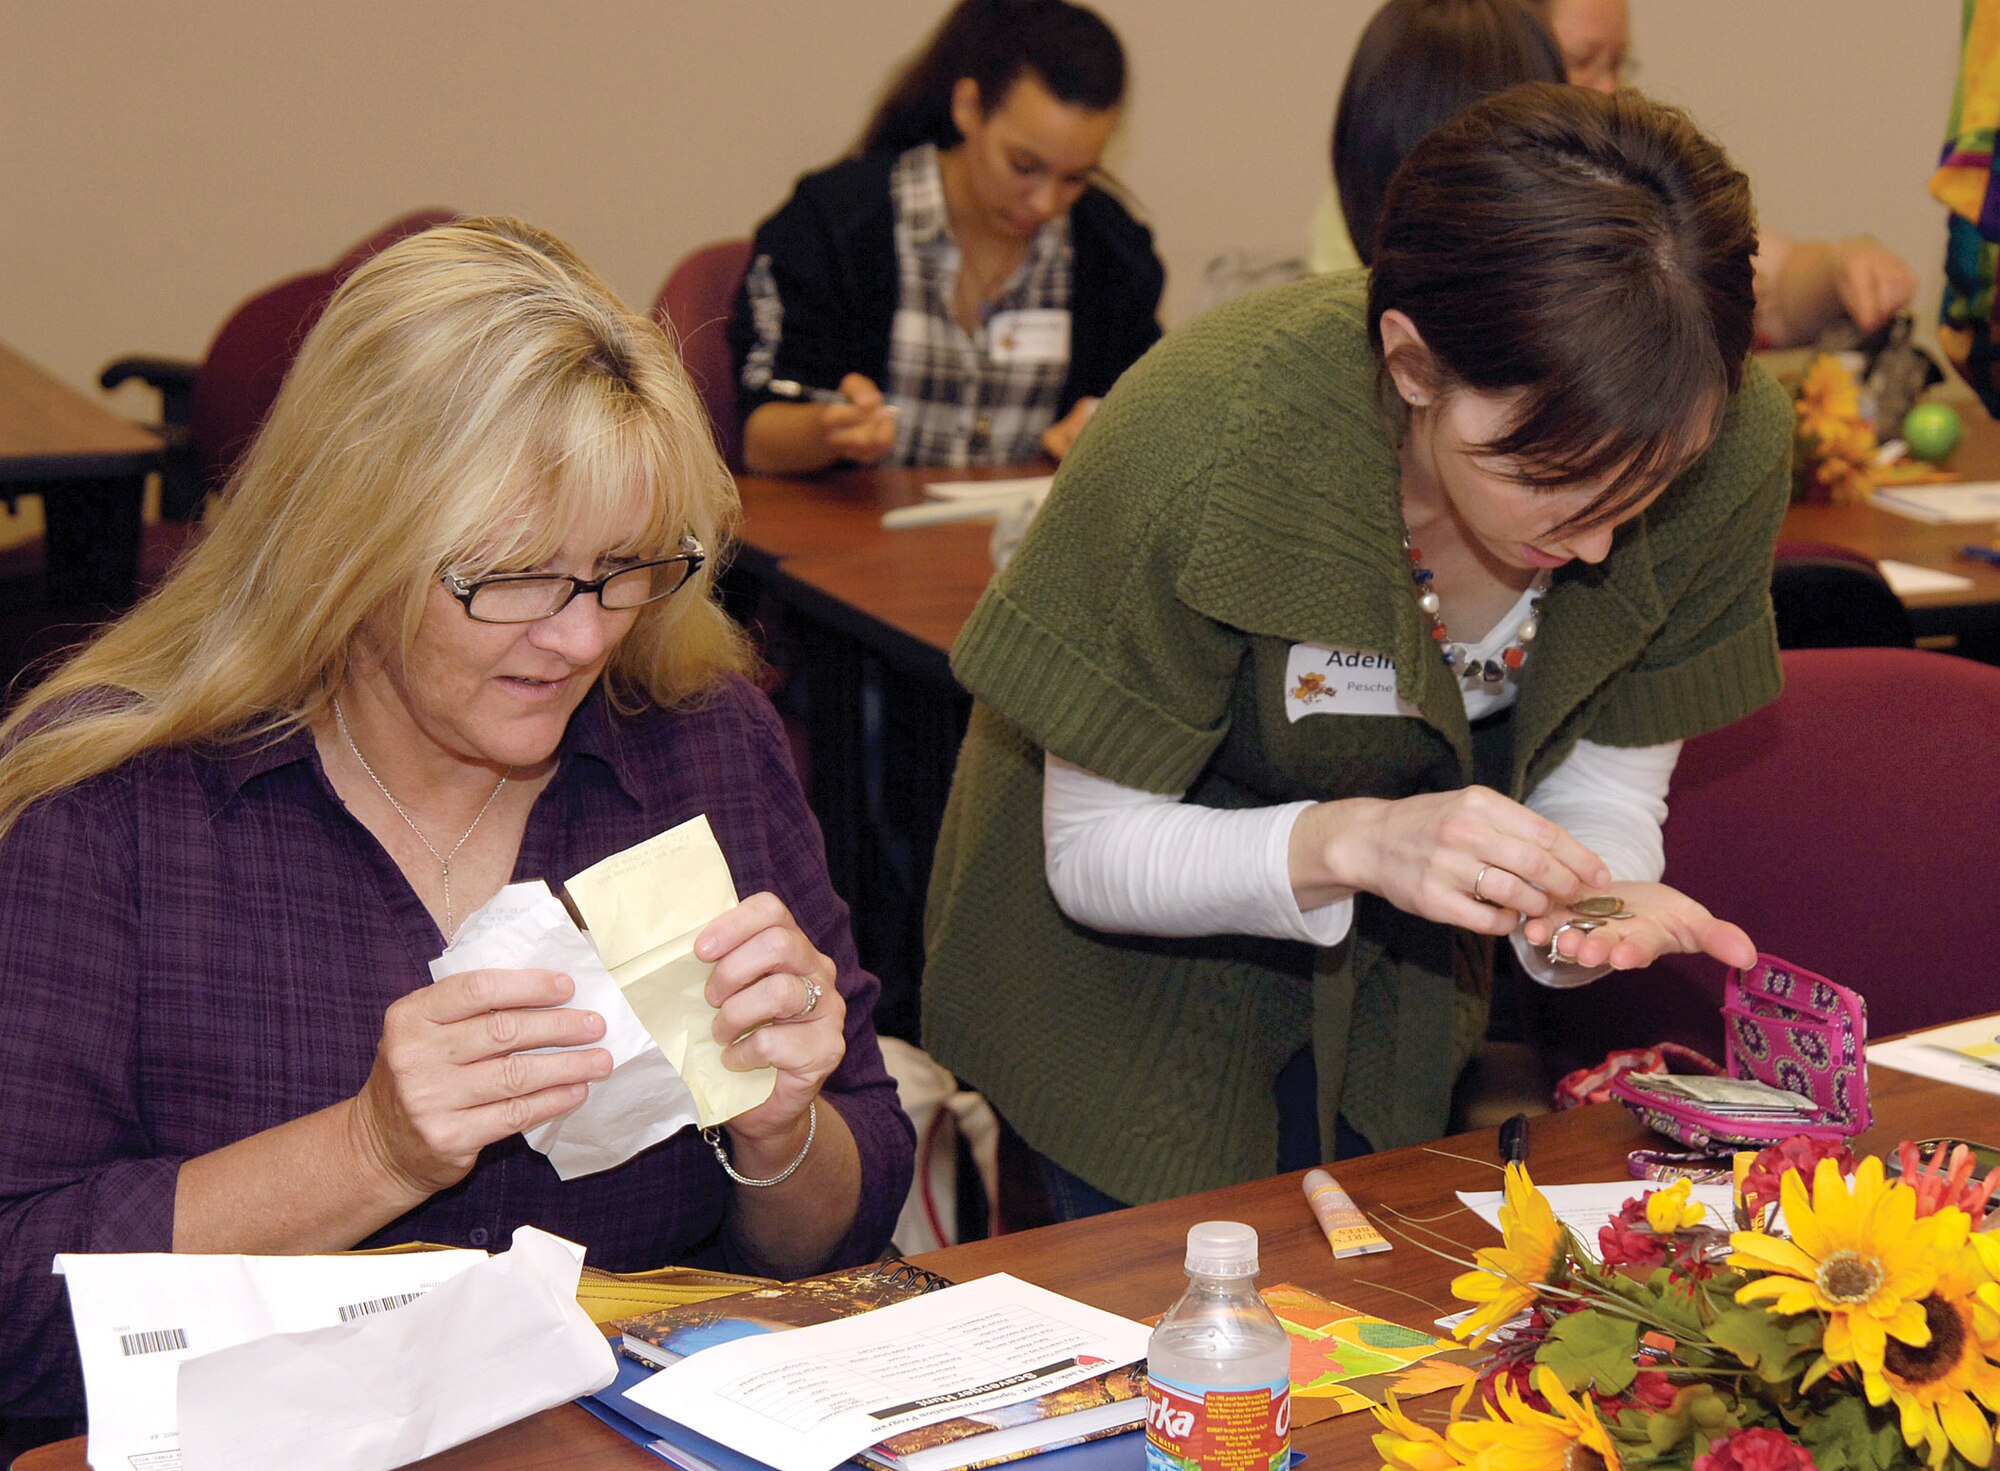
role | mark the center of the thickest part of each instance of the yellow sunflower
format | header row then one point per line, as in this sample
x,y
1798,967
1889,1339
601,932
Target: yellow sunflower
x,y
1404,1445
1518,1437
1861,1257
1935,1385
1510,1276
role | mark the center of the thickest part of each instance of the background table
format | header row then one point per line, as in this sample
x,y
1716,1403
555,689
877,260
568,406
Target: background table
x,y
89,467
1130,1262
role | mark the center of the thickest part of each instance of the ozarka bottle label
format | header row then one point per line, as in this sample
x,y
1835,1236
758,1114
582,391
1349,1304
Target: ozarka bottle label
x,y
1194,1429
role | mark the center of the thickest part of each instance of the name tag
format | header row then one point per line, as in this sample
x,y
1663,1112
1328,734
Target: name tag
x,y
1040,335
1320,680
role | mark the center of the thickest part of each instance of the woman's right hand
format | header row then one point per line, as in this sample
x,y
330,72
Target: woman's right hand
x,y
862,429
456,1070
1424,854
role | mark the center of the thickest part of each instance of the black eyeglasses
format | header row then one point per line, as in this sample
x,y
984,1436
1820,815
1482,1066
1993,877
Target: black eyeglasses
x,y
529,597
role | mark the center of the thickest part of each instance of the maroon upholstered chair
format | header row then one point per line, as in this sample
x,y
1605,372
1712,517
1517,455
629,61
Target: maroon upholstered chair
x,y
1828,596
1849,827
212,410
694,307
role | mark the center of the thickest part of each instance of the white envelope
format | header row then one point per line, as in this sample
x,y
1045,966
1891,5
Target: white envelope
x,y
645,1099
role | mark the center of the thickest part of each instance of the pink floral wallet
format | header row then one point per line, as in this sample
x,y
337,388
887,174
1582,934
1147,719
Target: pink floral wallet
x,y
1795,1043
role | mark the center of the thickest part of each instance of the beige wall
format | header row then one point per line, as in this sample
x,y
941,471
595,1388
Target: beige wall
x,y
159,162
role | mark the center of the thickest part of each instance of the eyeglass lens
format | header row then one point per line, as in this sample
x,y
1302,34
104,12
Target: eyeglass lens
x,y
525,599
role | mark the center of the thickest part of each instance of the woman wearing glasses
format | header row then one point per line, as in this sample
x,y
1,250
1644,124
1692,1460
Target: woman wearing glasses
x,y
453,626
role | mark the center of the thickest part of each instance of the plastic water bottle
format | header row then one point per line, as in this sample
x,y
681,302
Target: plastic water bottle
x,y
1218,1368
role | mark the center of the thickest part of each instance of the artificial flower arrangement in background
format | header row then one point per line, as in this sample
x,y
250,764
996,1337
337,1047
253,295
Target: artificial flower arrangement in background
x,y
1833,450
1865,1339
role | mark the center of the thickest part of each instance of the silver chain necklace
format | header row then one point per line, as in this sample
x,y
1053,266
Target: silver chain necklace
x,y
443,860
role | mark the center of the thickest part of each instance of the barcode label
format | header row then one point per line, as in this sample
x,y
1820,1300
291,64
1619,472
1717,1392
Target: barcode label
x,y
376,1305
157,1342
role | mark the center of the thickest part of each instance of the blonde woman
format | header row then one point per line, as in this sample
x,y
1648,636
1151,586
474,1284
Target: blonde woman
x,y
454,626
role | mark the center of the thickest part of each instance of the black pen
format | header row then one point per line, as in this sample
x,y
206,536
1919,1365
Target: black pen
x,y
1514,1140
1984,554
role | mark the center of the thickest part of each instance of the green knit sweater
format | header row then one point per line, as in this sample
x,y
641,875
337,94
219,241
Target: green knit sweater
x,y
1238,494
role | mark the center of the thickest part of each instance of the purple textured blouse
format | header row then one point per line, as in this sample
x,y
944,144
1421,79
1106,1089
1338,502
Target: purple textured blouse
x,y
198,946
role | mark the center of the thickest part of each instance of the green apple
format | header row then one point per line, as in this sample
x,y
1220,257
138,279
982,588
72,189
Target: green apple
x,y
1932,431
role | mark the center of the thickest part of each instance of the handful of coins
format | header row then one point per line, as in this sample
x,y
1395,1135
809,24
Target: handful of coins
x,y
1593,912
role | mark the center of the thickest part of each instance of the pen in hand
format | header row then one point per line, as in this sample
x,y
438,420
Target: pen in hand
x,y
799,392
804,393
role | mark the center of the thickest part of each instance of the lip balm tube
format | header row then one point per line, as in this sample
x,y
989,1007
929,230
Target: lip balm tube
x,y
1347,1230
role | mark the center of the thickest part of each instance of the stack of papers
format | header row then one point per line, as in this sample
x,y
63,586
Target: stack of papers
x,y
809,1398
1965,1053
1942,505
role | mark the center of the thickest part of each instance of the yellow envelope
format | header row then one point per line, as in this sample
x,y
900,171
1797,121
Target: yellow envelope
x,y
643,908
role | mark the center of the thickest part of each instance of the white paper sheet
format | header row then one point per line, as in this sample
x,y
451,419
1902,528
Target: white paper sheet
x,y
1906,579
1586,1209
645,1099
973,490
808,1399
501,1341
1957,505
140,1315
1933,1054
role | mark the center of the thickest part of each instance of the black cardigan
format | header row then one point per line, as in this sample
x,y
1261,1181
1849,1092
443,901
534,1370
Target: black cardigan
x,y
832,252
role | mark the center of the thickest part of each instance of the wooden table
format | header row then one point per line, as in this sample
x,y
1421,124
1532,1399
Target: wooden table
x,y
873,614
1130,1262
89,467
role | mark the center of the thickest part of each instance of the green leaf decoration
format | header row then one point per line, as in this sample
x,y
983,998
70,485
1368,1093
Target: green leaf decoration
x,y
1589,1350
1845,1436
1391,1335
1762,1340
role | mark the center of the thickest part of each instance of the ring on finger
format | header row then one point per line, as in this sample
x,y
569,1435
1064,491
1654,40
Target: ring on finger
x,y
813,993
1478,879
1582,928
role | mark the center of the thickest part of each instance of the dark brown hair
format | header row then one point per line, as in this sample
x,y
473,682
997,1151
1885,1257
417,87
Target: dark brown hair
x,y
1592,253
1069,49
1419,64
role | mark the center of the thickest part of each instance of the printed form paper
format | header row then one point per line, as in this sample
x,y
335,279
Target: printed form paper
x,y
808,1399
644,908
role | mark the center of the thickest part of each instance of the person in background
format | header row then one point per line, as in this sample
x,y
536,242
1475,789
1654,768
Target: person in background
x,y
962,280
1418,64
452,626
1803,286
1362,629
1420,61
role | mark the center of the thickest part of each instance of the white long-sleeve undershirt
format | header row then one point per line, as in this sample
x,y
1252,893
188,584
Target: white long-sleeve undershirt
x,y
1135,862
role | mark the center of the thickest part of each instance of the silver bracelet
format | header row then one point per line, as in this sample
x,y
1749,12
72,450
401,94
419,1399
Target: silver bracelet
x,y
722,1156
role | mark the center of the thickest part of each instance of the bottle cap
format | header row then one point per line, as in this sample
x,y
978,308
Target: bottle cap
x,y
1222,1249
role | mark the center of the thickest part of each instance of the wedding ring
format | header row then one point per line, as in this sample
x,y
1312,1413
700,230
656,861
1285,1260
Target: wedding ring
x,y
1480,878
813,993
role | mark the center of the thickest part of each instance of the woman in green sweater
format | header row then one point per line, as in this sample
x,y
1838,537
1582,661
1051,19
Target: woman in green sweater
x,y
1361,629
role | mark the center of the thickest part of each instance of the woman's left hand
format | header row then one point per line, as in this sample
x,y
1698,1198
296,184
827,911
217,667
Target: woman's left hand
x,y
1664,922
767,1016
1059,436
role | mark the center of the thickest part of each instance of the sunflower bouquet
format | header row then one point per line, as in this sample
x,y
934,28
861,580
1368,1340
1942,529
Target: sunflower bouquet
x,y
1833,450
1865,1336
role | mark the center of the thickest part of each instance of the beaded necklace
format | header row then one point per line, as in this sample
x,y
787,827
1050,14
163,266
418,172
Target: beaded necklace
x,y
1457,657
